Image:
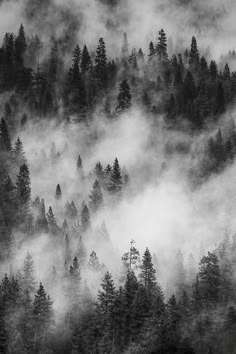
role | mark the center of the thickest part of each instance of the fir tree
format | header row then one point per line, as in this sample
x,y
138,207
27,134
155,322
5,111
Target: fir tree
x,y
85,63
93,263
42,222
161,48
23,190
101,64
85,218
194,54
5,142
209,278
20,46
58,194
147,274
124,97
96,197
125,47
28,275
152,51
116,178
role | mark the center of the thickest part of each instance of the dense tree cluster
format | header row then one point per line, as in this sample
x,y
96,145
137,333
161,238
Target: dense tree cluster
x,y
132,312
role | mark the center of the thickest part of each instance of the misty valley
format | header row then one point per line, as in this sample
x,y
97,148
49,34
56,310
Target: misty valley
x,y
117,181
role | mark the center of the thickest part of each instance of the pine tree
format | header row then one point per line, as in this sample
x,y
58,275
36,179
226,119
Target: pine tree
x,y
85,63
43,318
125,47
96,197
23,191
42,222
131,258
194,54
58,194
152,51
20,46
101,64
124,97
79,165
147,274
213,69
161,48
5,142
19,152
28,275
209,279
106,296
85,218
93,263
116,179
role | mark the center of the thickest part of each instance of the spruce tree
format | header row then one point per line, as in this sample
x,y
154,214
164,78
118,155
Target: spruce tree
x,y
42,222
5,142
85,218
28,276
96,197
101,64
20,46
152,51
125,47
209,279
116,178
148,272
43,318
85,63
124,97
161,48
93,262
23,191
58,194
194,54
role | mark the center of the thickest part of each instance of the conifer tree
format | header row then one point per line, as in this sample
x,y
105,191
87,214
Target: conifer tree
x,y
124,97
23,191
194,54
79,164
106,296
19,152
152,51
85,218
101,64
161,48
42,222
125,47
209,279
43,318
96,197
5,142
20,46
93,263
148,272
116,178
58,194
28,275
85,63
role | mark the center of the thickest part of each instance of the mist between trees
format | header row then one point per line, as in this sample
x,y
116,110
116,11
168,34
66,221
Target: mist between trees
x,y
117,227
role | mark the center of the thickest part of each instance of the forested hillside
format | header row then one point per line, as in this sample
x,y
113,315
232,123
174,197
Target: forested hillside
x,y
117,196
